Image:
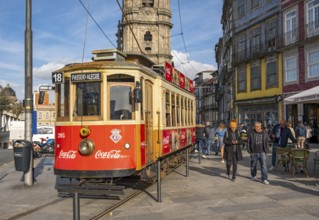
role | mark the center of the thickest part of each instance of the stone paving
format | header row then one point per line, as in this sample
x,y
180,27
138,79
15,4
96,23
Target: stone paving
x,y
205,194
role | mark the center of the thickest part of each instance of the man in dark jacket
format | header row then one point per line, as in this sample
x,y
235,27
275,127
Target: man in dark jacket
x,y
280,134
257,147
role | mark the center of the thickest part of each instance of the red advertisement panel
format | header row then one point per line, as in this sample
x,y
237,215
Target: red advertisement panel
x,y
168,72
183,137
166,141
182,80
191,86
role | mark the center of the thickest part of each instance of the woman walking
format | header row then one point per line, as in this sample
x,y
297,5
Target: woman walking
x,y
220,133
233,153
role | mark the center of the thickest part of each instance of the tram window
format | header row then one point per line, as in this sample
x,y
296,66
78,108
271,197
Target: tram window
x,y
178,115
120,107
63,99
167,109
173,110
88,98
183,112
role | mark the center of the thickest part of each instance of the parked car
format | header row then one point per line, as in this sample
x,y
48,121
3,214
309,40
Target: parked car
x,y
44,132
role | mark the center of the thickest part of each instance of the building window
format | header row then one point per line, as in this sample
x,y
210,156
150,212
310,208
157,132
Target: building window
x,y
40,115
241,47
272,75
242,82
47,115
254,3
147,36
148,3
313,18
290,27
291,69
255,41
271,35
255,77
313,64
241,8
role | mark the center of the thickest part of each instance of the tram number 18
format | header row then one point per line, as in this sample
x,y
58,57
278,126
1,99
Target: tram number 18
x,y
57,78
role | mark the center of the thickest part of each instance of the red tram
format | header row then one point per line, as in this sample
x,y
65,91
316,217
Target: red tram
x,y
117,115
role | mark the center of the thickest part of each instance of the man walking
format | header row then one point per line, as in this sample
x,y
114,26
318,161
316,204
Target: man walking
x,y
257,147
280,134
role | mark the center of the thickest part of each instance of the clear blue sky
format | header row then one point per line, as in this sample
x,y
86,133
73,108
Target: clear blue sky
x,y
59,34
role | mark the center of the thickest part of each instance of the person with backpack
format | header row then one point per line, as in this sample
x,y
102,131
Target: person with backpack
x,y
301,133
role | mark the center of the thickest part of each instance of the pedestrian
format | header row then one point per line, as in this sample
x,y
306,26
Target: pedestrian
x,y
280,134
309,133
233,152
258,148
301,133
209,137
292,132
220,133
200,139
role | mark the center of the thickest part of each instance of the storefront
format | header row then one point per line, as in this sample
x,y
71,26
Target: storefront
x,y
265,111
304,106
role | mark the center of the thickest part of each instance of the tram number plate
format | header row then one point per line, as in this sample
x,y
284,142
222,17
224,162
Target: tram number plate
x,y
57,78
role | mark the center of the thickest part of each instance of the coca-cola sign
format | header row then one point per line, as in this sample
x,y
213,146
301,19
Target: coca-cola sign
x,y
112,154
71,154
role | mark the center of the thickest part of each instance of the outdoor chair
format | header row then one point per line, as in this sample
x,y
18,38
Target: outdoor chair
x,y
299,159
282,158
315,161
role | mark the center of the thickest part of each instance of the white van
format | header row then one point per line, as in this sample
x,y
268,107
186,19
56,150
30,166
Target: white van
x,y
46,132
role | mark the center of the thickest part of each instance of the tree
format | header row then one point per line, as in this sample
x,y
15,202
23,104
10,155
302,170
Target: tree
x,y
7,101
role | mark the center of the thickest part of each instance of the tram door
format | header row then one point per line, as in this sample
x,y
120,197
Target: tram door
x,y
148,94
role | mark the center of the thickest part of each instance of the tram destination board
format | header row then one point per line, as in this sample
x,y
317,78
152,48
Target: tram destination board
x,y
80,77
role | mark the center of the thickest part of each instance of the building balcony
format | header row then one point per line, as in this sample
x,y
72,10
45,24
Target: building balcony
x,y
312,29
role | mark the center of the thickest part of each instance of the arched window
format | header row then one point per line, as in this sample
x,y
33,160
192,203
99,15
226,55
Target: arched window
x,y
148,36
148,3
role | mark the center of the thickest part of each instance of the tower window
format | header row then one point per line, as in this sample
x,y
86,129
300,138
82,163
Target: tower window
x,y
148,48
148,3
148,36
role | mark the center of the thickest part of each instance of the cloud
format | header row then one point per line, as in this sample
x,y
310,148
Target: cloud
x,y
189,67
44,71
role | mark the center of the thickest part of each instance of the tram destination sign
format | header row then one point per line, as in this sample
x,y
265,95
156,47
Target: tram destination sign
x,y
80,77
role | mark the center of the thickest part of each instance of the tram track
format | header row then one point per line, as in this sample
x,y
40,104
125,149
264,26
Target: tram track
x,y
23,214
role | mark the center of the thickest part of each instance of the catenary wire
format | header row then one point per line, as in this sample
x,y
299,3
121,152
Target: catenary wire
x,y
97,23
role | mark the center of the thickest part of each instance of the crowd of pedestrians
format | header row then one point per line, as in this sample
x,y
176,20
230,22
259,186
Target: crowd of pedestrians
x,y
230,140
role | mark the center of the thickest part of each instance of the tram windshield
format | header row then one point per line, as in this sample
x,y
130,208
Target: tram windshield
x,y
88,99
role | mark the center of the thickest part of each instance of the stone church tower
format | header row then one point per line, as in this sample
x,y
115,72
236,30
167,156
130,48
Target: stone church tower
x,y
147,29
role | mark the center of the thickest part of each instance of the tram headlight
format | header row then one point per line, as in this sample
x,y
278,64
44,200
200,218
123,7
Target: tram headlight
x,y
85,131
86,147
127,146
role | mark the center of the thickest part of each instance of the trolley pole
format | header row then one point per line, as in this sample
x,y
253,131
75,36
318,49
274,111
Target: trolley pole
x,y
28,101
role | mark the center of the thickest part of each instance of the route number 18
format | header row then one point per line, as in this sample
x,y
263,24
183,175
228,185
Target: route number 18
x,y
57,78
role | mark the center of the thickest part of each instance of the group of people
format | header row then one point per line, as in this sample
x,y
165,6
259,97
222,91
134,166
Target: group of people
x,y
230,140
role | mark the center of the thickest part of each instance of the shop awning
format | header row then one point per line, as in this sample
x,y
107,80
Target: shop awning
x,y
307,96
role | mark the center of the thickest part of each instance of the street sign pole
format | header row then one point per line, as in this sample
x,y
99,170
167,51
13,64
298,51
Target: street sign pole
x,y
28,175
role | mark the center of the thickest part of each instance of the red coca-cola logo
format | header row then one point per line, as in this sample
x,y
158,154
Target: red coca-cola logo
x,y
71,154
113,154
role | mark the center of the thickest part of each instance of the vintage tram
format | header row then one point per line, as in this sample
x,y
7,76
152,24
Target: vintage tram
x,y
118,114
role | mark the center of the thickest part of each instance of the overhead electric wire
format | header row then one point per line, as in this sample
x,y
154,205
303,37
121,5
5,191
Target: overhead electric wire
x,y
96,23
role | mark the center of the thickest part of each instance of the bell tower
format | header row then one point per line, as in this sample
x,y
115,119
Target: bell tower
x,y
147,29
